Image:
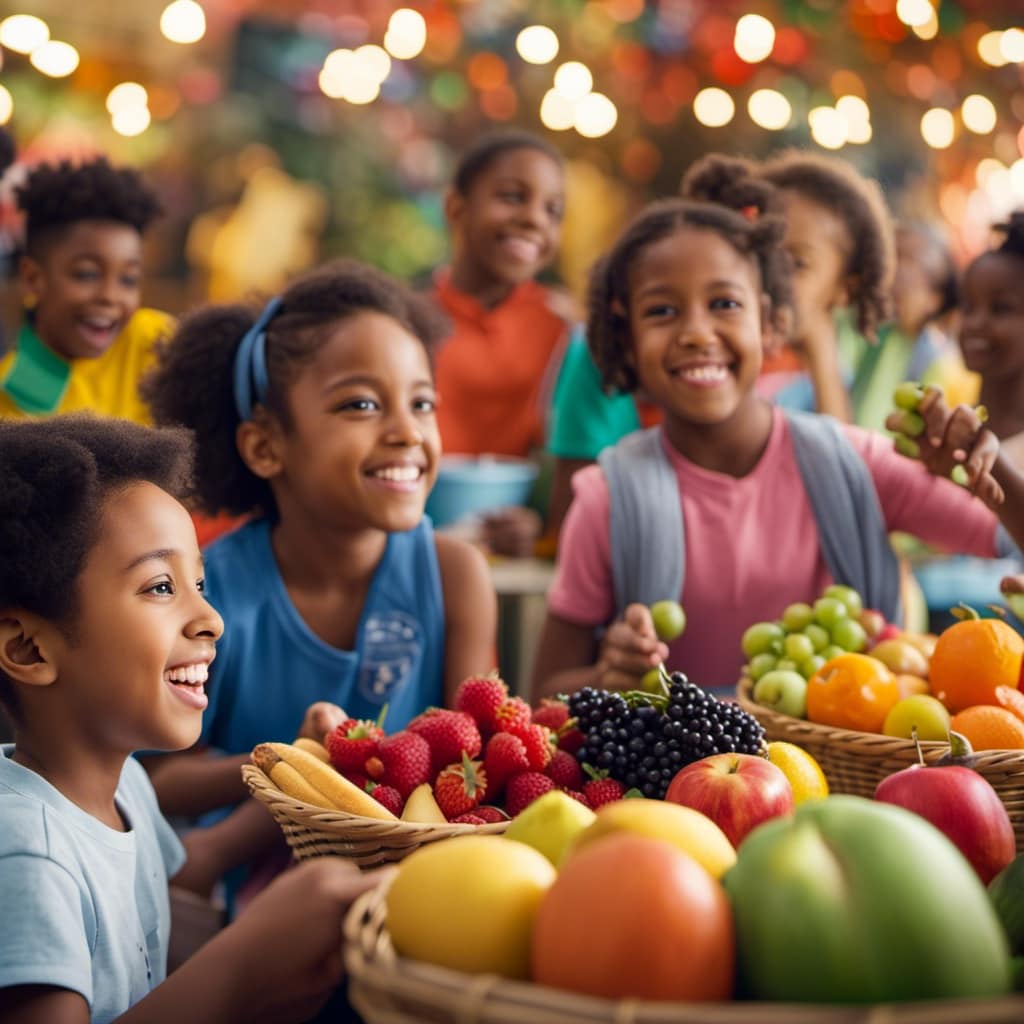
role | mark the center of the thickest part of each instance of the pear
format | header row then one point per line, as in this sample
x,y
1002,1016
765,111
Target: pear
x,y
550,824
421,807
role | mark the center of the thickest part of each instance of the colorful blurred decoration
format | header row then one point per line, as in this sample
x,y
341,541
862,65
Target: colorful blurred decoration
x,y
367,102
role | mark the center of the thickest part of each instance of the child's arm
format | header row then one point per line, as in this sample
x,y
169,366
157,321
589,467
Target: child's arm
x,y
819,345
279,962
470,612
569,658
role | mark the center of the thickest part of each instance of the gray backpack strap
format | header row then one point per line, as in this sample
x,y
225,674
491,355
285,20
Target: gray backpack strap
x,y
645,520
854,539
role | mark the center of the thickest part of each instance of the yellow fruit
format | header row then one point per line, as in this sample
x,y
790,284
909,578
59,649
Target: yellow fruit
x,y
550,824
469,903
919,712
689,830
318,750
421,807
804,773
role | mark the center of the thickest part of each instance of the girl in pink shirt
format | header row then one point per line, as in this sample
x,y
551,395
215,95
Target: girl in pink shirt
x,y
773,506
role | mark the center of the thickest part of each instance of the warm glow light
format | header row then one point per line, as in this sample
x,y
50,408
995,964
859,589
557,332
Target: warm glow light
x,y
713,107
928,30
352,75
986,169
131,120
914,12
858,132
979,114
990,49
754,39
557,112
853,108
537,44
829,128
126,96
183,21
937,128
55,59
6,105
595,116
769,109
372,61
573,80
23,32
1011,45
406,35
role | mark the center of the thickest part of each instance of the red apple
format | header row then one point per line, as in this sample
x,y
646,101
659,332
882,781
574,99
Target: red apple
x,y
962,804
736,791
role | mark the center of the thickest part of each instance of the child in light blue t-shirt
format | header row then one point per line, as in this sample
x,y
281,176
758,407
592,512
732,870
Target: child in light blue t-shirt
x,y
105,644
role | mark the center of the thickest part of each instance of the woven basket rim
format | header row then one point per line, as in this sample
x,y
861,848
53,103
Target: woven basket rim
x,y
338,823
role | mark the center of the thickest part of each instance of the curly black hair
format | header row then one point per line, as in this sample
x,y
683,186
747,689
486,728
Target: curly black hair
x,y
938,262
57,473
860,205
1013,229
7,150
758,238
491,145
56,196
193,382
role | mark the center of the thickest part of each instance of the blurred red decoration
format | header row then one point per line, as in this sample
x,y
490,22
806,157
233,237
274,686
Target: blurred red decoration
x,y
487,71
921,81
641,160
631,59
499,104
730,69
791,46
679,83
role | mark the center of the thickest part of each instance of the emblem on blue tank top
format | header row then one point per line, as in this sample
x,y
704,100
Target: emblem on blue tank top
x,y
392,648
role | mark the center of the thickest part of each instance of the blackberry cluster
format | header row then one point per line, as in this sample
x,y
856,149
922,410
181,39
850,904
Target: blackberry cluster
x,y
643,739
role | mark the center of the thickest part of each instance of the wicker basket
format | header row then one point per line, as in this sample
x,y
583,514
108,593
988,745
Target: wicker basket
x,y
386,989
315,832
855,762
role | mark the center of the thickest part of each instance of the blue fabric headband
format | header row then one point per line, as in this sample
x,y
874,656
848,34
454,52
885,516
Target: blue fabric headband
x,y
251,362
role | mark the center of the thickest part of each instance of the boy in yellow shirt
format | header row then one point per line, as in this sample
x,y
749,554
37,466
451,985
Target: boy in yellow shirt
x,y
84,343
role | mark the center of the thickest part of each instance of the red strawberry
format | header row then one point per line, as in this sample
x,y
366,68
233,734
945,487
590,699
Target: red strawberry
x,y
460,787
388,797
469,819
449,733
565,770
479,697
576,795
489,813
570,739
403,761
352,743
523,789
552,713
505,756
601,789
513,714
539,744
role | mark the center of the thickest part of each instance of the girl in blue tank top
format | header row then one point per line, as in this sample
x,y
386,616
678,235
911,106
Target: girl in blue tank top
x,y
315,418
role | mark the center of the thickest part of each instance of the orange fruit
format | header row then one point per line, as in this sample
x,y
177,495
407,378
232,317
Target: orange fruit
x,y
852,691
1011,699
989,728
909,685
971,659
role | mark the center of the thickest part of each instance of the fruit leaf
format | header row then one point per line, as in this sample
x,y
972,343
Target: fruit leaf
x,y
633,794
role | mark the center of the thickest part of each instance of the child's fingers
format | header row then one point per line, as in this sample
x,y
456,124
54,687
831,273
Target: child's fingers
x,y
1012,584
935,413
963,432
638,618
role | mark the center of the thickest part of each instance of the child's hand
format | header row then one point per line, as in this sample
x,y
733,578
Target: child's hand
x,y
286,946
1012,585
629,649
511,531
320,719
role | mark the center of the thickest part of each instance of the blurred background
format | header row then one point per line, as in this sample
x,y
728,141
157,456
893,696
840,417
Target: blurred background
x,y
279,133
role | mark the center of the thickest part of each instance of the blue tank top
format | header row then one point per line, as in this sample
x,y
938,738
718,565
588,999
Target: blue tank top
x,y
270,666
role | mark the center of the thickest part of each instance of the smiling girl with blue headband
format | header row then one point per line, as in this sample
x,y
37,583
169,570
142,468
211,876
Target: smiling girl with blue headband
x,y
316,417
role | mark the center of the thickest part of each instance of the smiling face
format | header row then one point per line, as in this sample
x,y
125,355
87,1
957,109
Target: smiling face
x,y
992,307
86,283
136,659
362,448
507,226
696,315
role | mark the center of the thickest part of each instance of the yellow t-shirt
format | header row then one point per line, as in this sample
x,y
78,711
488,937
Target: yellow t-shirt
x,y
107,385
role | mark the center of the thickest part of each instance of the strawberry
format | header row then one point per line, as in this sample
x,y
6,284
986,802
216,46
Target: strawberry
x,y
479,697
351,743
460,787
576,795
469,819
505,756
523,789
565,770
387,796
513,714
403,761
539,744
601,789
489,813
570,739
449,734
552,713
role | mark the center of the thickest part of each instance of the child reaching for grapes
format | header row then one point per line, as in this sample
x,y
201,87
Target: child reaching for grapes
x,y
733,507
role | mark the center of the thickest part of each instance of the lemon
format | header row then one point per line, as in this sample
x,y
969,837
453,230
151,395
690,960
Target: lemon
x,y
804,773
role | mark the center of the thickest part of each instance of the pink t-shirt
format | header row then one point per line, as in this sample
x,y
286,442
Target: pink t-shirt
x,y
752,543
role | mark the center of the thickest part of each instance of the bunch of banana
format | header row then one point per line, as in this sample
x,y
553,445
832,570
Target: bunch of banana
x,y
304,776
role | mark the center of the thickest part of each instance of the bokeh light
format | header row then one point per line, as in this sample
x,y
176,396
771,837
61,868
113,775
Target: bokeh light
x,y
754,38
1011,45
769,109
54,58
6,105
829,128
979,114
986,168
406,34
557,113
713,107
938,128
131,121
22,33
595,115
914,12
928,29
573,80
183,21
990,49
537,44
126,96
372,61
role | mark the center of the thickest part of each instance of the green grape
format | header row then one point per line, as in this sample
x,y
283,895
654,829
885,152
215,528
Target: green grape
x,y
798,647
958,474
905,446
786,665
907,395
830,652
760,665
797,616
669,620
911,423
1016,603
818,635
650,681
850,635
828,611
762,637
849,597
811,665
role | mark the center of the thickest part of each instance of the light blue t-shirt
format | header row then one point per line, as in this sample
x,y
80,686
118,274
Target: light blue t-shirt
x,y
271,666
84,907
